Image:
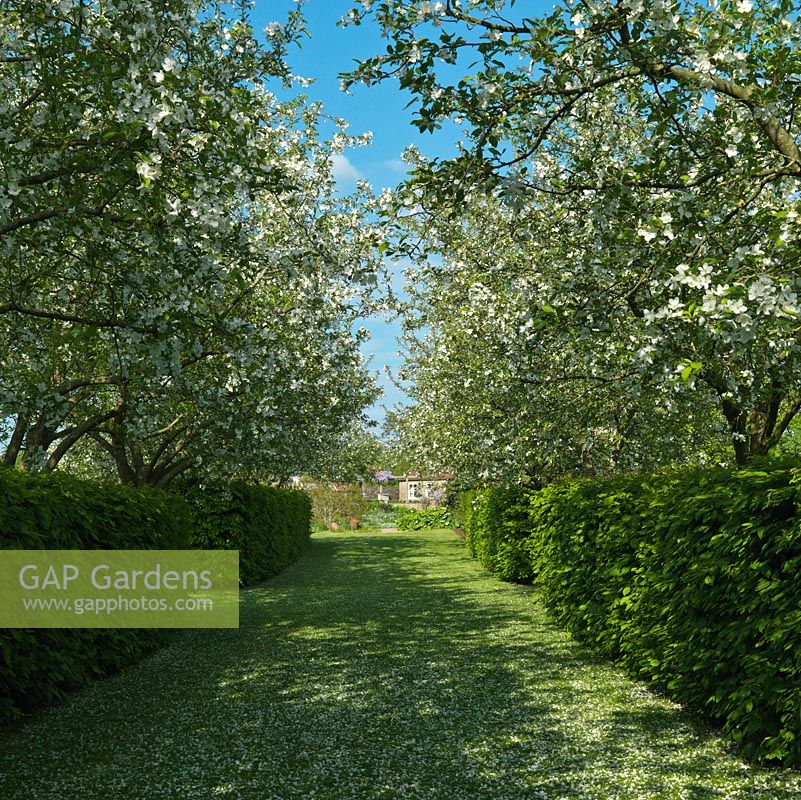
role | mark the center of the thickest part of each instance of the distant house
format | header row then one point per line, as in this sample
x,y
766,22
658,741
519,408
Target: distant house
x,y
384,492
416,487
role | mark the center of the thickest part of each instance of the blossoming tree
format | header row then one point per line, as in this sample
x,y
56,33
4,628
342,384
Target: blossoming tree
x,y
646,154
180,281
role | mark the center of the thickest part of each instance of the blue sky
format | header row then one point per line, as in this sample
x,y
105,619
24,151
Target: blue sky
x,y
380,109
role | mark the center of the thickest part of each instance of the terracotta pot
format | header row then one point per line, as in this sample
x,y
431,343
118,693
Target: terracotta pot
x,y
353,524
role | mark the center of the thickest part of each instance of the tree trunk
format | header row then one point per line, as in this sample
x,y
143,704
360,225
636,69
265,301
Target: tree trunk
x,y
38,439
755,431
15,443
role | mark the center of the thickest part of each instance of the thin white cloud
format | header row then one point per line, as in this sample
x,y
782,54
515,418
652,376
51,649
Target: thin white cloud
x,y
343,171
395,164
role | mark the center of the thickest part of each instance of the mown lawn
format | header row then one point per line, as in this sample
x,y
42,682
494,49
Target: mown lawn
x,y
379,666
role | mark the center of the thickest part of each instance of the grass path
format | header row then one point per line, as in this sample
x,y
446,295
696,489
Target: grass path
x,y
379,666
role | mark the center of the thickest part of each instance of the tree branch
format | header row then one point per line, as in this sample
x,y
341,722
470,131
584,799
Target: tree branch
x,y
72,436
31,219
56,316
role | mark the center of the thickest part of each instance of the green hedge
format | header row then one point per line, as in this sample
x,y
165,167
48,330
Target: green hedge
x,y
494,522
689,579
424,519
38,667
270,527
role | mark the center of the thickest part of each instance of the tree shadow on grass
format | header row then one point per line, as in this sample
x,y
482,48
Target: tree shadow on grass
x,y
378,666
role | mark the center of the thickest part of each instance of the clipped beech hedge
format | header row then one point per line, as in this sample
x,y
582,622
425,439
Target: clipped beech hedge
x,y
56,512
689,579
496,531
270,527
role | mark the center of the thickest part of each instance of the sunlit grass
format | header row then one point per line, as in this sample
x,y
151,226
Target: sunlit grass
x,y
379,666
